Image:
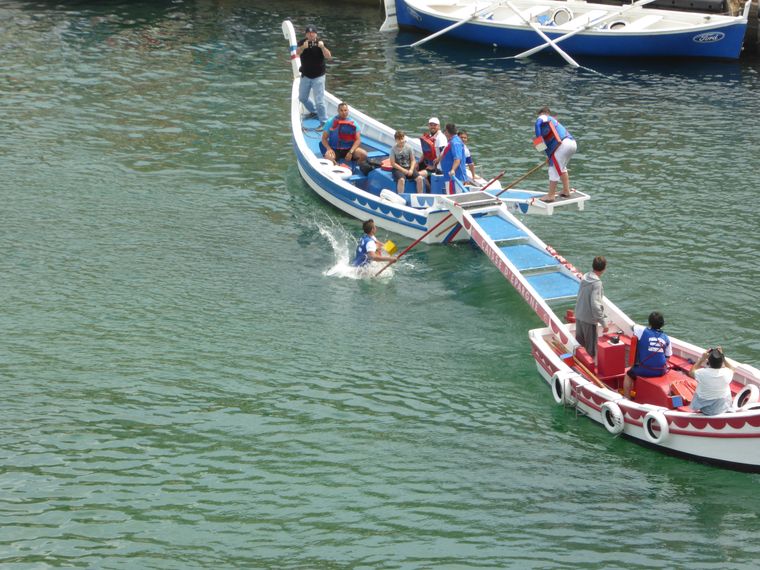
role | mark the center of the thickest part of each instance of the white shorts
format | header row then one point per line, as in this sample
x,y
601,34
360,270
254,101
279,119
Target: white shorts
x,y
562,156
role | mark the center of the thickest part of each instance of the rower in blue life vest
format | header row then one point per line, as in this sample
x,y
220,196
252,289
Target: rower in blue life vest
x,y
370,248
560,146
341,138
652,352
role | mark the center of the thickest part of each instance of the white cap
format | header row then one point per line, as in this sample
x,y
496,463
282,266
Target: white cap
x,y
434,120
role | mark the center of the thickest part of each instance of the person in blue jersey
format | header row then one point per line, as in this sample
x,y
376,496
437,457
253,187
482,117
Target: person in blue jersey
x,y
713,395
453,160
560,146
589,306
652,352
313,54
341,138
370,248
467,154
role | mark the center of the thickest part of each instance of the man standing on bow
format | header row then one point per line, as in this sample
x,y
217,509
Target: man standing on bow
x,y
589,306
313,54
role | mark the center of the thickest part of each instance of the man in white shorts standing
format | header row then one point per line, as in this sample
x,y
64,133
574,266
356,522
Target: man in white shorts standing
x,y
560,146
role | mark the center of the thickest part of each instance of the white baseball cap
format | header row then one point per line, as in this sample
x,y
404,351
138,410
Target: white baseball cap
x,y
434,120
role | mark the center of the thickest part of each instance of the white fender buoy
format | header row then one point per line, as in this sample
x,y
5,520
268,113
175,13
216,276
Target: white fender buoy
x,y
612,417
561,387
341,171
750,394
616,25
391,196
561,16
325,163
655,419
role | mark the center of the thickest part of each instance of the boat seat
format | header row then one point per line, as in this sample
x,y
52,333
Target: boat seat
x,y
500,229
582,20
526,257
643,22
553,286
533,12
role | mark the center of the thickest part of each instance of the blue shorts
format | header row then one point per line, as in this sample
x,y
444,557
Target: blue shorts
x,y
711,407
639,370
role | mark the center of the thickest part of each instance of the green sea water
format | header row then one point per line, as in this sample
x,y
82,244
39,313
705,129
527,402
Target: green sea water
x,y
187,382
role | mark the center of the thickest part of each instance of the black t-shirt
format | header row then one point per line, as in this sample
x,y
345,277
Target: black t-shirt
x,y
312,61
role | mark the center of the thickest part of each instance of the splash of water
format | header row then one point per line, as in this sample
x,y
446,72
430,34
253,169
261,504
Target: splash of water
x,y
343,246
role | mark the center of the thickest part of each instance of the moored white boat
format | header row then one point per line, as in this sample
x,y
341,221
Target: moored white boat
x,y
372,195
578,27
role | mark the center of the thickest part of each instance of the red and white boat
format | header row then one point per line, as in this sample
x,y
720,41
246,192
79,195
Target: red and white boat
x,y
658,415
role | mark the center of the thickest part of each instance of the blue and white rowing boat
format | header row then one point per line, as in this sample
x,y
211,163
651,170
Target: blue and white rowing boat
x,y
576,27
659,415
373,195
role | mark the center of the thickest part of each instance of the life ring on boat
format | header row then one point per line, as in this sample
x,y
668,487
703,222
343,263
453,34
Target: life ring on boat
x,y
341,171
391,196
616,25
654,419
325,163
561,388
562,16
750,394
612,417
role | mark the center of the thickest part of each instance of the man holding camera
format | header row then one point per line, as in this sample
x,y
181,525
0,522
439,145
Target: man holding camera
x,y
313,54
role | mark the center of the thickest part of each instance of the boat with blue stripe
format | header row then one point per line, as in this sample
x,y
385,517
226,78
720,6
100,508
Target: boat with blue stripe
x,y
576,27
372,194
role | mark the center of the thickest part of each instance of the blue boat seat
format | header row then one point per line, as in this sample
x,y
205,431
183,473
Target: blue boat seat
x,y
500,229
554,286
527,257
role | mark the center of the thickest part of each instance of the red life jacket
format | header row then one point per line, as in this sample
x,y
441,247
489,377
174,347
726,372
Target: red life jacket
x,y
427,141
342,134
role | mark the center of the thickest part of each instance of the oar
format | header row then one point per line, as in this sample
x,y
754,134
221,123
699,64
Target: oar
x,y
546,38
590,24
523,177
454,25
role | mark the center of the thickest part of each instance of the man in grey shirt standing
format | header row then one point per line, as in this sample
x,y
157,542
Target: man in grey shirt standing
x,y
589,306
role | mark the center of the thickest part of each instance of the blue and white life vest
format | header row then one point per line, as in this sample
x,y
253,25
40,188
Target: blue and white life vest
x,y
362,255
550,133
650,351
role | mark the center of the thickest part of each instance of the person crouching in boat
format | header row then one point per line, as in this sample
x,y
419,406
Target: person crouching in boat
x,y
713,395
369,247
652,352
341,138
560,146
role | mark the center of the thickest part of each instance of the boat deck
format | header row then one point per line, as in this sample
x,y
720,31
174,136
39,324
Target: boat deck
x,y
515,249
